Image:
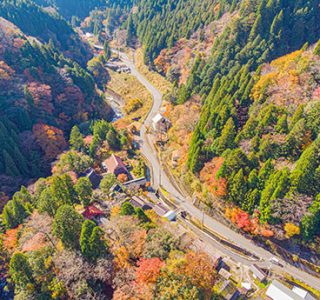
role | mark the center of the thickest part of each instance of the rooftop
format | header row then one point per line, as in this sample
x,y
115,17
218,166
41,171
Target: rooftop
x,y
113,163
277,291
302,293
94,178
91,212
224,273
258,272
157,118
136,182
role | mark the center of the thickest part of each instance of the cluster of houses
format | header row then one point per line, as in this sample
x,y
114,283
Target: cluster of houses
x,y
96,213
115,165
276,290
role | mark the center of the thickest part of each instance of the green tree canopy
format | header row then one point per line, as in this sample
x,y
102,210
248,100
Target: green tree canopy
x,y
67,226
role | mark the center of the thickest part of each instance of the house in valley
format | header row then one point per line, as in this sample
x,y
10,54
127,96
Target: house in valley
x,y
115,165
160,123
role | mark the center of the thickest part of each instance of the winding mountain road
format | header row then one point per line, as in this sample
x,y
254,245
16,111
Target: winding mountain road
x,y
183,203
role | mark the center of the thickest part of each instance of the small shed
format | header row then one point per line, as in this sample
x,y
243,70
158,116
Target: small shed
x,y
92,212
176,155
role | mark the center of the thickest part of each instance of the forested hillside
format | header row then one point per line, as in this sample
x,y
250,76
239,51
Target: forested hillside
x,y
70,8
42,94
262,31
270,152
160,24
34,21
259,32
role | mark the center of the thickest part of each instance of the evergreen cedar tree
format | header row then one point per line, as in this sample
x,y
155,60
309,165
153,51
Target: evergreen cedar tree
x,y
83,187
67,226
91,241
76,139
21,271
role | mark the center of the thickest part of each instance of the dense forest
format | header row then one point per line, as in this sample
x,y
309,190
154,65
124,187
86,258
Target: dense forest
x,y
159,24
271,151
43,93
35,21
72,8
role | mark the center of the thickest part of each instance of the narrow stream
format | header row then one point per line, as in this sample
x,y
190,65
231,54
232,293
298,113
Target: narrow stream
x,y
116,106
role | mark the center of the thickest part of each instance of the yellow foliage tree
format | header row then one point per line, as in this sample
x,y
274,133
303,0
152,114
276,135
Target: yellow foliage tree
x,y
291,230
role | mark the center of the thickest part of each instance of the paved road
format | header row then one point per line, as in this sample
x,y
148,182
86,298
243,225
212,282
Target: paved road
x,y
150,153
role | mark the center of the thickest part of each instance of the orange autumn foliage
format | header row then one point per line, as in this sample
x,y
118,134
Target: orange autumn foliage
x,y
6,72
217,186
138,239
149,269
50,139
242,219
162,62
247,223
10,239
122,177
267,233
200,268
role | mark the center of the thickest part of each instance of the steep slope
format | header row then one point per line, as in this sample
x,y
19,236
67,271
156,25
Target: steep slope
x,y
262,31
42,95
160,24
265,127
35,21
70,8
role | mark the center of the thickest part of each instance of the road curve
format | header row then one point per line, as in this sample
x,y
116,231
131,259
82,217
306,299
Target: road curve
x,y
150,154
